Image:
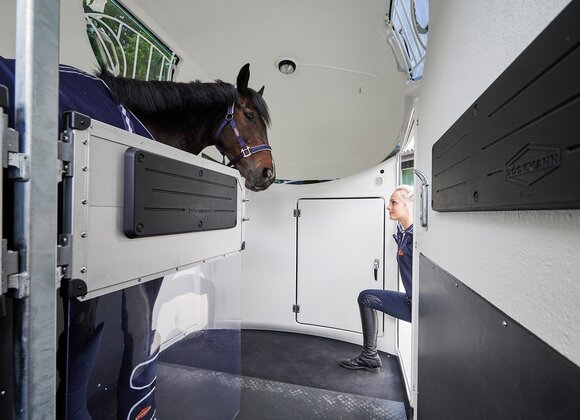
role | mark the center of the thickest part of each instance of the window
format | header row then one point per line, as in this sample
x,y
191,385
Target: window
x,y
123,45
408,21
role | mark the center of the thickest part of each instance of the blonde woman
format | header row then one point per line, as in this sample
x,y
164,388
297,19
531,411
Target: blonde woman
x,y
396,304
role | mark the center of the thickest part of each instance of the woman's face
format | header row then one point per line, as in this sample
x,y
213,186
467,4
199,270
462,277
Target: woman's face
x,y
397,208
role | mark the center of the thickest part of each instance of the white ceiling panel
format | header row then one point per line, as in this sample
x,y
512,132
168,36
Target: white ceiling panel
x,y
341,112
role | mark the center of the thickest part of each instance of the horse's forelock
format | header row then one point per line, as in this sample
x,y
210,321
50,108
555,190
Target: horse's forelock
x,y
260,105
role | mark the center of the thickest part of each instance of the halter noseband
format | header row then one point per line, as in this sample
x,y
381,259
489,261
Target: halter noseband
x,y
246,151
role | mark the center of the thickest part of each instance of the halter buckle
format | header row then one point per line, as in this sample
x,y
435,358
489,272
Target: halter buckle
x,y
229,116
246,152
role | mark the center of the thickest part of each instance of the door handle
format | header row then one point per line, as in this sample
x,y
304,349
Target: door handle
x,y
376,266
424,198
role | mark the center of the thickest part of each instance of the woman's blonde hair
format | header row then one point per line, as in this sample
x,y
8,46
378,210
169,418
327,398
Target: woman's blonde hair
x,y
406,192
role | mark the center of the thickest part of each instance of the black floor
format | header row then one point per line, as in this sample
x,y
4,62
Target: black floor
x,y
313,361
283,376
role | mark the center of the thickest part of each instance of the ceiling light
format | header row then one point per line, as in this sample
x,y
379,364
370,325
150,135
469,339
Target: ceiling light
x,y
287,66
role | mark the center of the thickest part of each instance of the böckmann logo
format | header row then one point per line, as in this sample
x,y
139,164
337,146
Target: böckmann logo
x,y
532,163
200,210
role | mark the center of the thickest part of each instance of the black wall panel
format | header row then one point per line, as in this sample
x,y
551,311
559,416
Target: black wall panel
x,y
475,362
518,145
165,196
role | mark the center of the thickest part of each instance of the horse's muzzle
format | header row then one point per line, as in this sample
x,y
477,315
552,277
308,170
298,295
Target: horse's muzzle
x,y
261,180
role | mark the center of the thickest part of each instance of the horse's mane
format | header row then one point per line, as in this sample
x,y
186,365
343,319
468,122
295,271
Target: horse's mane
x,y
153,98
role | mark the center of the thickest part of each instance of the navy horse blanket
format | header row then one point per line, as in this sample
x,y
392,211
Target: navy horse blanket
x,y
82,92
85,93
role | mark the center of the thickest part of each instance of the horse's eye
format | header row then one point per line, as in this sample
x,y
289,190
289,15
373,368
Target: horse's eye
x,y
249,116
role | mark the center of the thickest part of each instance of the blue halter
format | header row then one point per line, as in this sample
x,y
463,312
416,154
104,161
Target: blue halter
x,y
246,151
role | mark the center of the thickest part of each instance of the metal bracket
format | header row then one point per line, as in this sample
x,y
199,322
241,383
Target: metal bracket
x,y
21,164
66,152
19,284
8,265
77,121
70,288
424,211
17,163
64,251
10,141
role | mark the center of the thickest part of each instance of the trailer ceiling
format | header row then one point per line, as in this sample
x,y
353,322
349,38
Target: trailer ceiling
x,y
341,112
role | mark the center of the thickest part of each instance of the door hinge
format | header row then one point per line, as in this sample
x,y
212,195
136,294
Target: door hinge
x,y
18,284
18,164
296,309
64,251
66,152
8,266
297,212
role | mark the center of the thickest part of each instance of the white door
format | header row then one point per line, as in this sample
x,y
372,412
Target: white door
x,y
340,248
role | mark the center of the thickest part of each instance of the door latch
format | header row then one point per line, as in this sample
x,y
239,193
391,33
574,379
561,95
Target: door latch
x,y
376,266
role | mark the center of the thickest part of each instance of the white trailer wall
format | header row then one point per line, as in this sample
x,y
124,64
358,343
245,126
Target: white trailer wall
x,y
269,260
525,262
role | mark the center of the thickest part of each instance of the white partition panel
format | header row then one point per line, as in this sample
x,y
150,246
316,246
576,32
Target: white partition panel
x,y
102,255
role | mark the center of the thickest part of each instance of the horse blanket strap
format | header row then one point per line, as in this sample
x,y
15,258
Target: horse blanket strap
x,y
246,151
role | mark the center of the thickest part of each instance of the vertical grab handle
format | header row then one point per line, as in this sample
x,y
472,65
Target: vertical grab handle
x,y
376,266
424,198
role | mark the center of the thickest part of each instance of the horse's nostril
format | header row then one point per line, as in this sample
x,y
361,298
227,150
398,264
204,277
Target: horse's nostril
x,y
267,174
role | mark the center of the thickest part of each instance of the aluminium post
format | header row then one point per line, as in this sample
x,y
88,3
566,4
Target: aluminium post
x,y
35,230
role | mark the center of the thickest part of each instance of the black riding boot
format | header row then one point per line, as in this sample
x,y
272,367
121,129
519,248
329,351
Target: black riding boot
x,y
369,358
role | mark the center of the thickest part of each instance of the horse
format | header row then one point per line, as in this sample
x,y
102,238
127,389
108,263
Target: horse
x,y
189,116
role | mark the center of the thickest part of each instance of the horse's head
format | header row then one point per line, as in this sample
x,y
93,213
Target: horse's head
x,y
245,143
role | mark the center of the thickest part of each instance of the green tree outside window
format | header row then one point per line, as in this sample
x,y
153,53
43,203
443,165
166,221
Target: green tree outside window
x,y
123,45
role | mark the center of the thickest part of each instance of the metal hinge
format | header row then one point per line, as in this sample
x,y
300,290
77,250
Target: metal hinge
x,y
66,152
8,265
297,212
20,164
296,309
19,284
17,163
64,251
13,281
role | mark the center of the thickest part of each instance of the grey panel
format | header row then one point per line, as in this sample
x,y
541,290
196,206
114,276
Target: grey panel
x,y
517,146
477,363
166,196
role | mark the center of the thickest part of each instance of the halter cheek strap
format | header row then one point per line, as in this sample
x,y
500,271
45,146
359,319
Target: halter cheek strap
x,y
245,151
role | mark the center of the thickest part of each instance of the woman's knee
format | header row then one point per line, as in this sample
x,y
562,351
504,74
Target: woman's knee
x,y
369,298
362,297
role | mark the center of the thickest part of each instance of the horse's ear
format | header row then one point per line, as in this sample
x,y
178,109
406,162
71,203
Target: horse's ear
x,y
261,91
243,78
